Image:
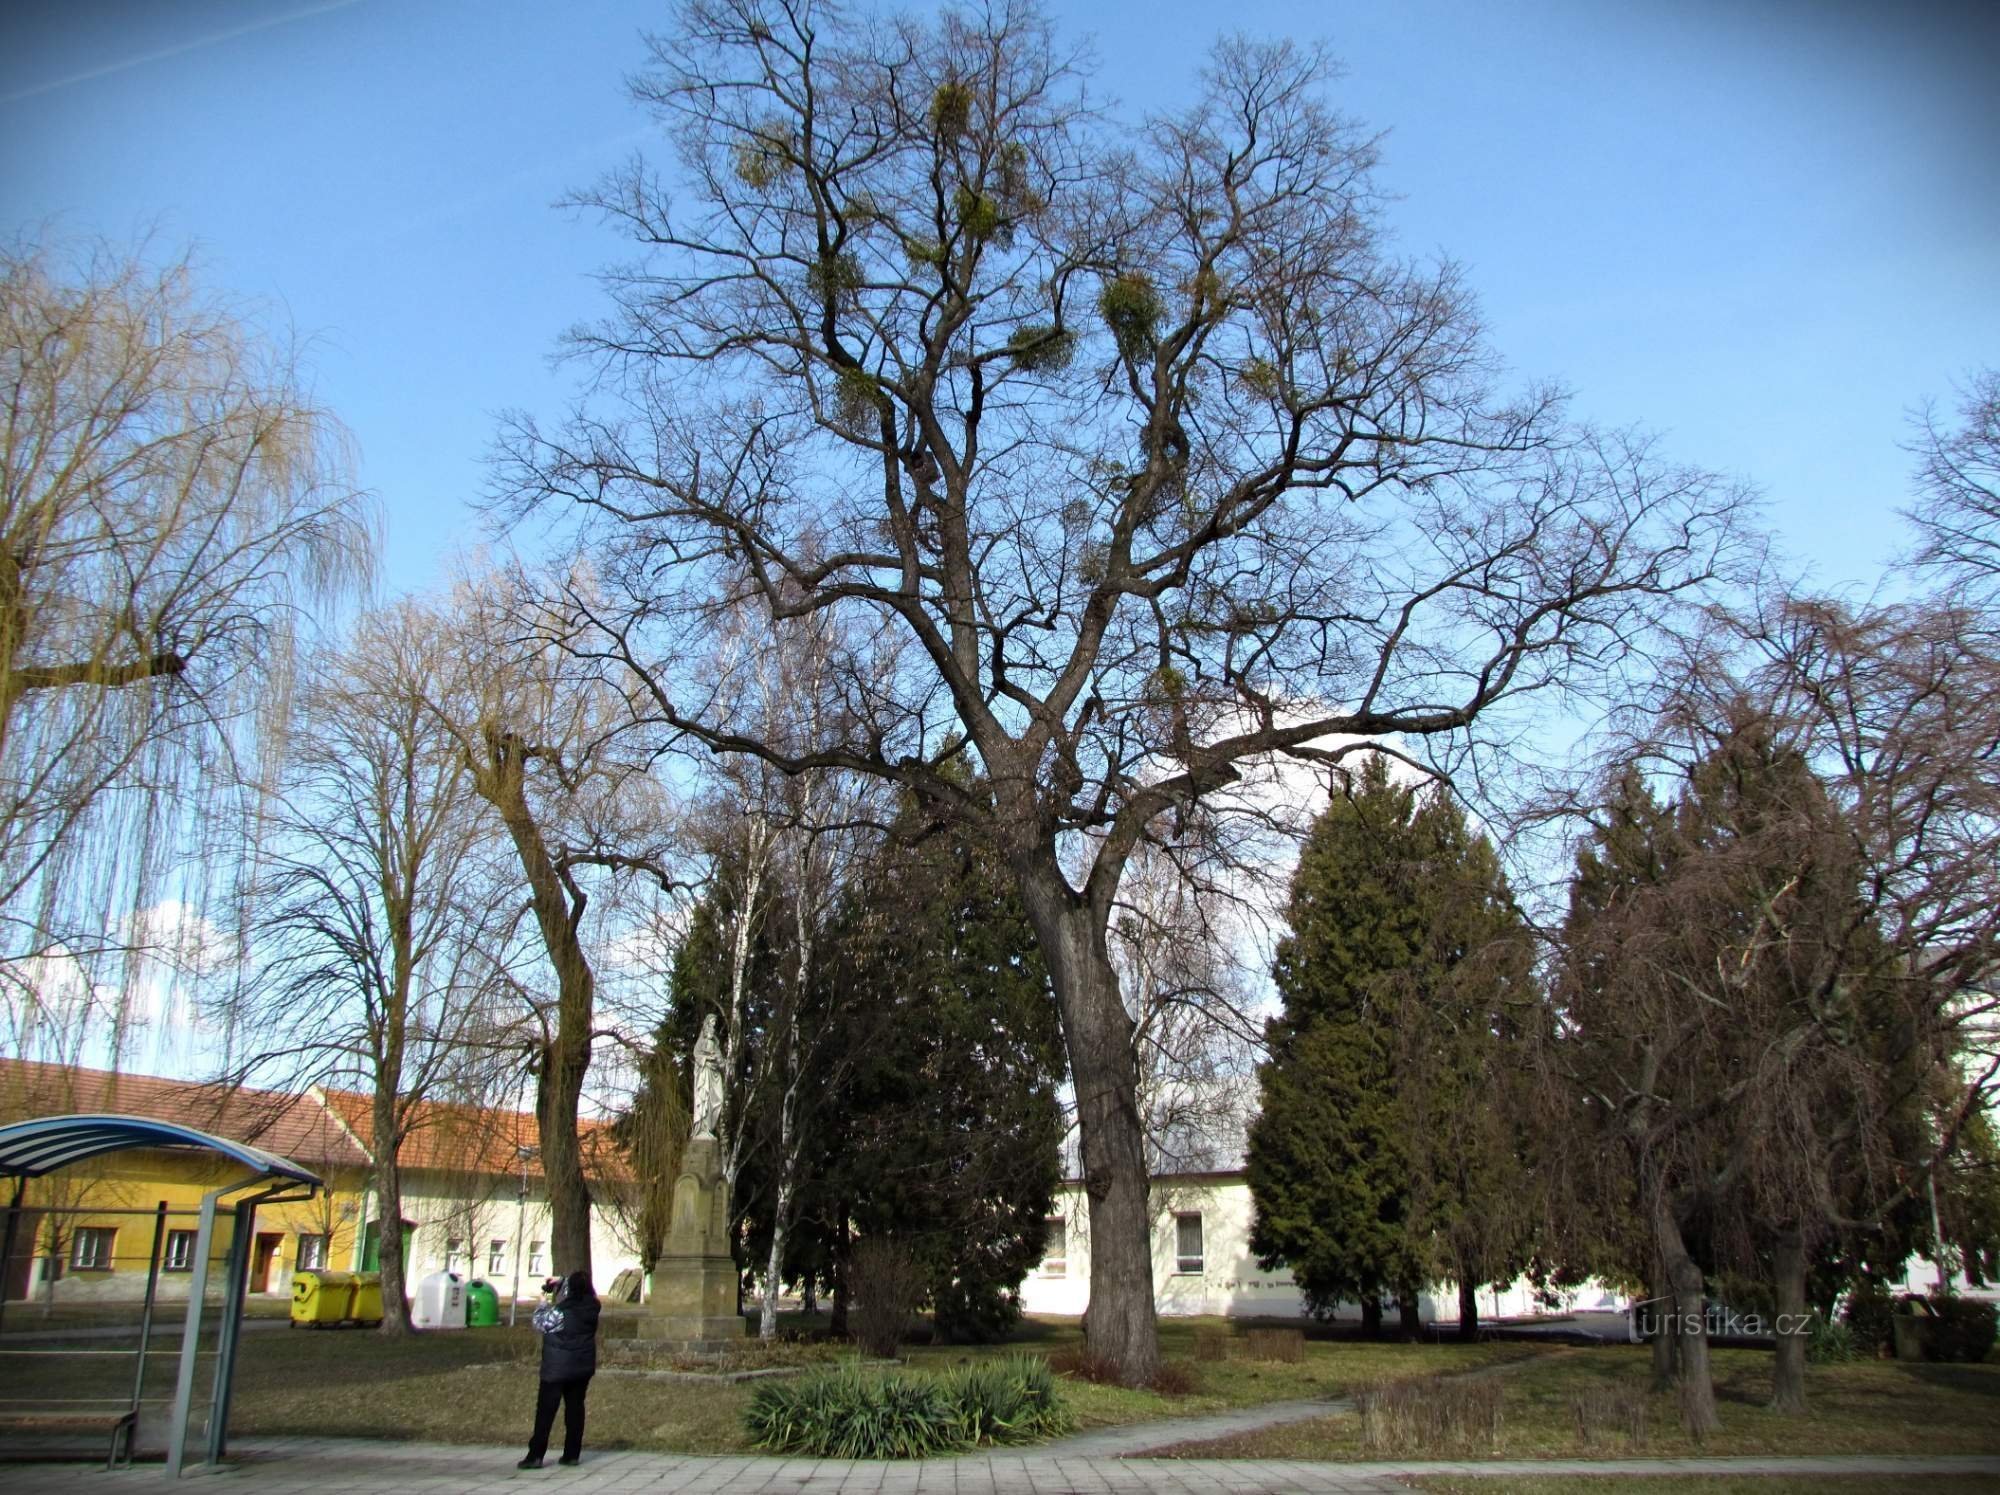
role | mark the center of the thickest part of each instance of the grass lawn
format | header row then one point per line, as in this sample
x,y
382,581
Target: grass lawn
x,y
1332,1367
1870,1407
479,1386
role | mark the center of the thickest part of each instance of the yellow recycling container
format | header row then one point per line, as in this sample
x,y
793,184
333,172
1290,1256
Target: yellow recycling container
x,y
322,1299
367,1308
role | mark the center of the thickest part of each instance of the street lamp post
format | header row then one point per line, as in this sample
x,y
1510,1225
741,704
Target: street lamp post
x,y
527,1155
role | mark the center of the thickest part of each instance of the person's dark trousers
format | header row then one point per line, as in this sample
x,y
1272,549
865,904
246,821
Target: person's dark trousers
x,y
570,1394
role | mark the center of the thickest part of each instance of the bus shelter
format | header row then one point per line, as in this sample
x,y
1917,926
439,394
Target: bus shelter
x,y
33,1149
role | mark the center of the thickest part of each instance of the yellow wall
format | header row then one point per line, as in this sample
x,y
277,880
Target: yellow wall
x,y
96,1195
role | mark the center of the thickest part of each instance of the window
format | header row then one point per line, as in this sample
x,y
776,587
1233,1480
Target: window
x,y
179,1255
496,1258
453,1247
1055,1261
1187,1243
90,1249
534,1258
312,1253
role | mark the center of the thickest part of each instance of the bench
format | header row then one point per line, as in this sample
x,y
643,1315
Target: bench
x,y
119,1422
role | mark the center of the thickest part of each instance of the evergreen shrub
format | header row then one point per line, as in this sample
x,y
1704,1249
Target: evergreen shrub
x,y
1831,1342
852,1414
1867,1314
1965,1328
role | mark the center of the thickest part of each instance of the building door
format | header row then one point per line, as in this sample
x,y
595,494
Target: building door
x,y
371,1245
264,1261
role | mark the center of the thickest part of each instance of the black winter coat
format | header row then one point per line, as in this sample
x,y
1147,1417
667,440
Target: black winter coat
x,y
569,1351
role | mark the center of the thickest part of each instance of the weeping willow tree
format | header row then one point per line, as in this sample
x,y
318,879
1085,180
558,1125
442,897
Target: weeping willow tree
x,y
174,513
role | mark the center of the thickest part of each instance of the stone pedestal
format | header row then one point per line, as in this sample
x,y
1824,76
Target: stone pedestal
x,y
693,1303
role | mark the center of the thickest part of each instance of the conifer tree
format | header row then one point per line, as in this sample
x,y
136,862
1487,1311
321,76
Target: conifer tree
x,y
1386,1153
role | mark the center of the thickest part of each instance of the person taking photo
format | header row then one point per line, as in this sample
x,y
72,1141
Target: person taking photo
x,y
568,1327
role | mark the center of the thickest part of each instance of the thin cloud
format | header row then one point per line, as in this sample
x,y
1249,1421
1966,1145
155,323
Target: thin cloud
x,y
126,64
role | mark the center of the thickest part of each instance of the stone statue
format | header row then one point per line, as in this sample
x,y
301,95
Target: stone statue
x,y
692,1307
707,1080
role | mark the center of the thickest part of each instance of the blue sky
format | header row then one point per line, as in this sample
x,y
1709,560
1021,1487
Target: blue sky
x,y
1763,229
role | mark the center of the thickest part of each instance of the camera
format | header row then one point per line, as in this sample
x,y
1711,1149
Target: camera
x,y
550,1284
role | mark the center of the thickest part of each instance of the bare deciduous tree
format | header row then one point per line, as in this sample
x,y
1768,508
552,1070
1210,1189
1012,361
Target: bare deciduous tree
x,y
537,731
374,916
1958,476
1126,455
171,505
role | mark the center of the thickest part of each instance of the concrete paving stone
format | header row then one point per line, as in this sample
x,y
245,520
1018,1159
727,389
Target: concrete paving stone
x,y
336,1467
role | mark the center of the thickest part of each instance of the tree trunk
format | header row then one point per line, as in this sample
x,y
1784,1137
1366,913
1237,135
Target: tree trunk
x,y
500,777
1468,1307
1788,1374
1689,1306
1121,1325
1409,1322
767,1325
1371,1316
837,1321
1666,1344
389,1202
558,1089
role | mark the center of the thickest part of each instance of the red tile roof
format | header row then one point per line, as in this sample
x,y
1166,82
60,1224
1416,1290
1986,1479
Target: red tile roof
x,y
292,1126
452,1137
326,1127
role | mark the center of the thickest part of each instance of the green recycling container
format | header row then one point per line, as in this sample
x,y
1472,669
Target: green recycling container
x,y
482,1305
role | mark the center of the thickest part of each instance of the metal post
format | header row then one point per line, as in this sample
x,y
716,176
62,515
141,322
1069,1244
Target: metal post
x,y
235,1289
525,1154
520,1243
7,1250
204,1240
146,1315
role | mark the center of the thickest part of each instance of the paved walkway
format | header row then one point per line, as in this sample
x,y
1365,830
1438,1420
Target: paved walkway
x,y
332,1466
1148,1437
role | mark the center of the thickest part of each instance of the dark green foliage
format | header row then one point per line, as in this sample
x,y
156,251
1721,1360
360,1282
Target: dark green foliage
x,y
1965,1328
935,1119
951,110
884,1276
1831,1342
947,1134
851,1414
1040,348
836,278
1385,1154
1132,309
978,214
1869,1308
1012,1399
858,400
1968,1194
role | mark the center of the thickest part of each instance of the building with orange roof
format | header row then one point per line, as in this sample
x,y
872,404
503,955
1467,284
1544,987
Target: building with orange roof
x,y
474,1200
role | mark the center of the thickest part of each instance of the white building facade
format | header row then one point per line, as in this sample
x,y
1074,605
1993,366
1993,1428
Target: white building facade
x,y
1203,1264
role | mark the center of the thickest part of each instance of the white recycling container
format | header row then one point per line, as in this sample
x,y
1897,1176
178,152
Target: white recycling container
x,y
440,1302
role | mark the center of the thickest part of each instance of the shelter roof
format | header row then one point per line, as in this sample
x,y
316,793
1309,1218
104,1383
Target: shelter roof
x,y
32,1148
290,1126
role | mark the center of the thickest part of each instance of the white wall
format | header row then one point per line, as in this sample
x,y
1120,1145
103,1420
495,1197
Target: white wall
x,y
446,1207
1231,1284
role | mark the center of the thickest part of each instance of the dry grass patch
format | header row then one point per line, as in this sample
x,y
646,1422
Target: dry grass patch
x,y
1586,1404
